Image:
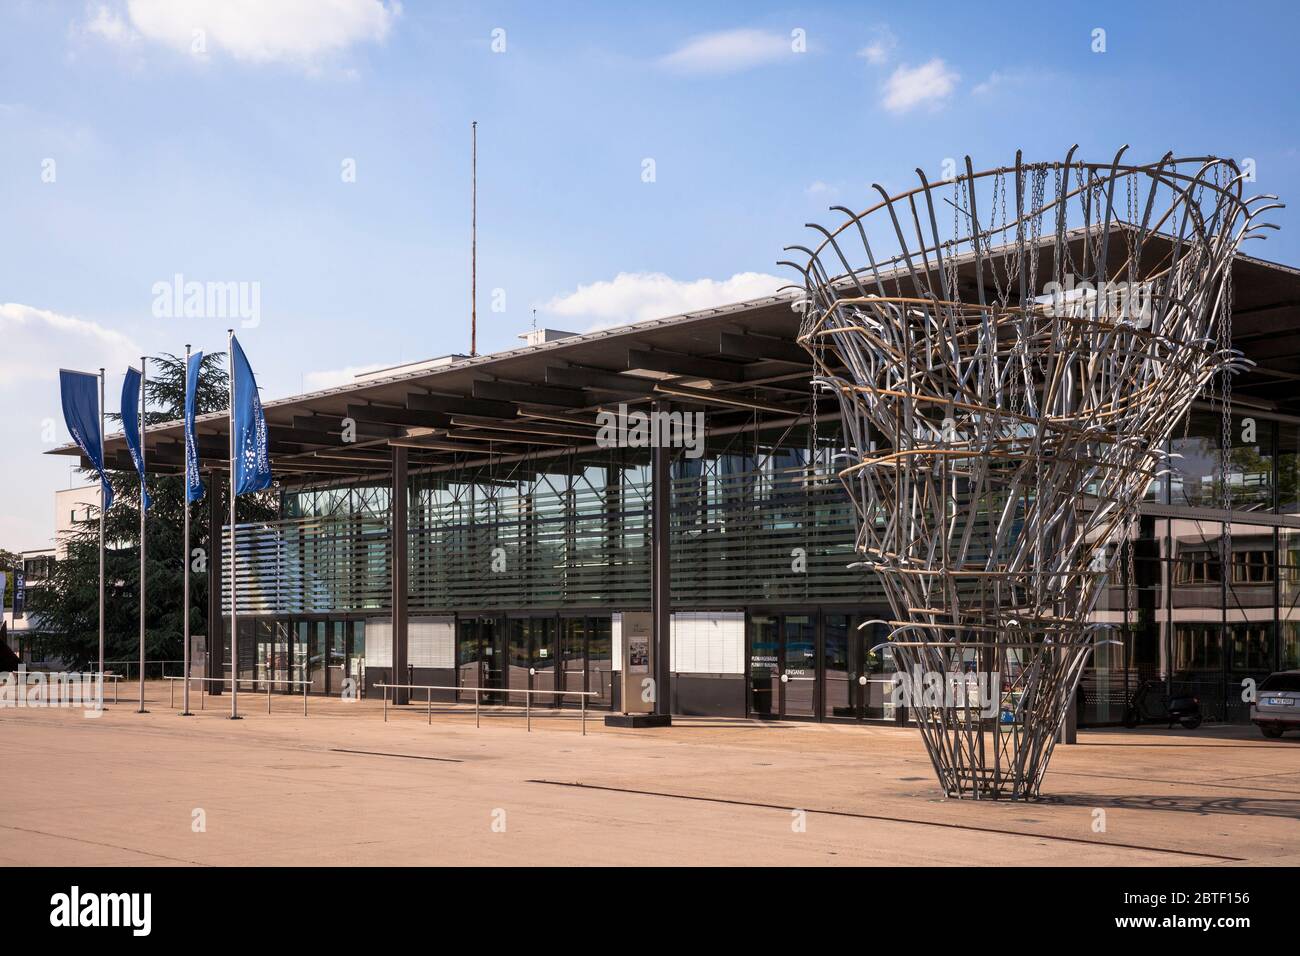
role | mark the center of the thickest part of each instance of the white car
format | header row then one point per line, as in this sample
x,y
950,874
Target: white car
x,y
1277,704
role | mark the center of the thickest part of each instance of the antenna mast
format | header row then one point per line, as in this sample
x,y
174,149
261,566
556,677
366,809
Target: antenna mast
x,y
473,241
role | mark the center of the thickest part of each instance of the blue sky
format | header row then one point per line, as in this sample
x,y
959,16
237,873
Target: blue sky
x,y
210,138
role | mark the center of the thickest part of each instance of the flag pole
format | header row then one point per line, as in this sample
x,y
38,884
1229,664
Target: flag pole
x,y
143,372
234,630
101,541
185,548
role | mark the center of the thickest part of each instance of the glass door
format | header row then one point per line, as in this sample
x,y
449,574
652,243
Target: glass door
x,y
545,660
764,665
843,691
357,654
573,656
521,654
859,681
799,666
469,667
336,657
600,661
495,656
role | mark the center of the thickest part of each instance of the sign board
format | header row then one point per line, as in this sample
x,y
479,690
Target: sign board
x,y
637,636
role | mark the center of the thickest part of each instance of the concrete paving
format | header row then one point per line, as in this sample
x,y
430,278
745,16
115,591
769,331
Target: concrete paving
x,y
343,787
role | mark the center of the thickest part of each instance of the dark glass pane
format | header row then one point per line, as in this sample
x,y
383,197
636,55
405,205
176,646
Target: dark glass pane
x,y
600,661
764,679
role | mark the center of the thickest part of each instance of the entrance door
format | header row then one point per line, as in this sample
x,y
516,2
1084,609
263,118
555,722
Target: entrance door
x,y
573,656
784,666
337,657
765,665
859,682
799,683
545,661
482,657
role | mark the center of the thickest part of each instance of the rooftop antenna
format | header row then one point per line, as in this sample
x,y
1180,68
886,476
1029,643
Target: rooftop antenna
x,y
473,241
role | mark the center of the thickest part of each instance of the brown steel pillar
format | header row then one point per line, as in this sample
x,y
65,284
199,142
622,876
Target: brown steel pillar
x,y
399,538
216,649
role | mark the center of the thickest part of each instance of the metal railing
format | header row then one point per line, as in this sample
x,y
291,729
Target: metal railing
x,y
478,691
268,681
161,664
102,675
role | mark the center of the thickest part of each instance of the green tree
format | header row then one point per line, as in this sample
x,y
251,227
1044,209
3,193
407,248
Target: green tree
x,y
68,603
10,563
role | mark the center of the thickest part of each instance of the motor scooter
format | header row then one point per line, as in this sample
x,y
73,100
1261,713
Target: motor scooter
x,y
1150,705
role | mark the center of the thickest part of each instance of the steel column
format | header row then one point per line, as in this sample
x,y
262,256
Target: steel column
x,y
398,539
660,570
215,666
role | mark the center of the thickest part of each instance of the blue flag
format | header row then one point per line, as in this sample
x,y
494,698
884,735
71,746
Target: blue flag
x,y
131,425
81,413
193,483
252,457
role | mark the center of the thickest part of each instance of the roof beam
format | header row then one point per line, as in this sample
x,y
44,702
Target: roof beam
x,y
527,392
393,415
753,346
691,366
452,404
579,376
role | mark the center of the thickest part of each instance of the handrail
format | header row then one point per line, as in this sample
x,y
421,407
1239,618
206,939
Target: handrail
x,y
527,692
204,681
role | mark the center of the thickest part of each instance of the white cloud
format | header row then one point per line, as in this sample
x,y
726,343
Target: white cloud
x,y
729,51
1000,81
256,31
881,46
108,25
331,377
38,342
638,296
908,87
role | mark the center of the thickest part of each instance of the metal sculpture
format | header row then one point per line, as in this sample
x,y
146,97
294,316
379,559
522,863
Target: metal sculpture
x,y
1007,386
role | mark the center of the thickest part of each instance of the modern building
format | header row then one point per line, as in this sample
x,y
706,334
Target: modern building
x,y
479,530
24,629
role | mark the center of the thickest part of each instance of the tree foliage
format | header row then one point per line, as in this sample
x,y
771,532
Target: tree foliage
x,y
67,603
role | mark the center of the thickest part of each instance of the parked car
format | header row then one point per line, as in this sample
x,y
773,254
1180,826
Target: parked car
x,y
1277,704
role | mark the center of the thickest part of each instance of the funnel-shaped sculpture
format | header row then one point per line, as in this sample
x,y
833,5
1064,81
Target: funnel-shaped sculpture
x,y
1007,383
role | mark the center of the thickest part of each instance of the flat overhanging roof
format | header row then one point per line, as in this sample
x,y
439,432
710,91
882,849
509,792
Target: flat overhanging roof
x,y
740,362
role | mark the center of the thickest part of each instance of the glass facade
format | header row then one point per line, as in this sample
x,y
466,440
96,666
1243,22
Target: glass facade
x,y
533,557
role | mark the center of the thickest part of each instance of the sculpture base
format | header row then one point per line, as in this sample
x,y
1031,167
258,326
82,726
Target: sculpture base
x,y
638,720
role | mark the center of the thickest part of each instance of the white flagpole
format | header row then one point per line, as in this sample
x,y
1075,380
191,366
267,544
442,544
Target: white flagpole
x,y
143,472
234,629
185,549
101,540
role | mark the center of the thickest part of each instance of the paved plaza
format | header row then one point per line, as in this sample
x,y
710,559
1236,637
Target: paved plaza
x,y
343,786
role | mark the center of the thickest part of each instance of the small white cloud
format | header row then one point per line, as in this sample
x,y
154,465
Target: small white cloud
x,y
881,46
639,296
1000,81
256,31
108,25
909,87
38,342
329,378
818,188
729,52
